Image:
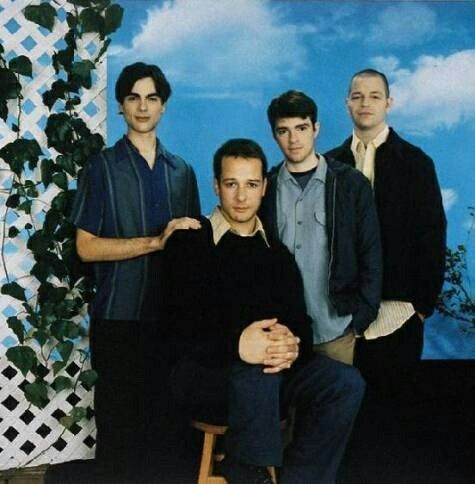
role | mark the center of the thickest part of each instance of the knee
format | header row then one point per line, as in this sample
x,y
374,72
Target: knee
x,y
350,385
254,379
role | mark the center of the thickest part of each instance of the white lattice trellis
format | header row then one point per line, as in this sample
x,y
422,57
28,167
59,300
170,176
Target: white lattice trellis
x,y
29,436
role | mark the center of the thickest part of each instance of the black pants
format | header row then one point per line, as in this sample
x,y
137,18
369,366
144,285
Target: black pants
x,y
387,363
131,397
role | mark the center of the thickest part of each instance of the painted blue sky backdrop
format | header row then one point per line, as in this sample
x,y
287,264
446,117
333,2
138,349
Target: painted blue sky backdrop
x,y
226,59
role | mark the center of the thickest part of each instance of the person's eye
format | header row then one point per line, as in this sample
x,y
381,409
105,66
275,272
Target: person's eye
x,y
254,185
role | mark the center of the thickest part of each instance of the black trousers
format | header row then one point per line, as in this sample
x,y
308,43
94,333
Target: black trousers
x,y
131,399
387,363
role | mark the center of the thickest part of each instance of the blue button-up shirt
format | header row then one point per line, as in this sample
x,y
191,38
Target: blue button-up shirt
x,y
119,195
301,220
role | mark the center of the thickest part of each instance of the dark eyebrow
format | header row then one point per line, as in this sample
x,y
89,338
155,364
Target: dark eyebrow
x,y
153,94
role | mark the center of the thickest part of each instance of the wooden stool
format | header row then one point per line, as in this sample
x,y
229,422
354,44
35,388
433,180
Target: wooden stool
x,y
207,456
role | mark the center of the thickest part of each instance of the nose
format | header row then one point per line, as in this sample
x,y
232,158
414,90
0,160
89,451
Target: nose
x,y
143,105
292,136
241,194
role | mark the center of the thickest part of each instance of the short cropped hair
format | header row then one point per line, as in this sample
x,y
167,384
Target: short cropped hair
x,y
139,70
371,73
292,104
242,147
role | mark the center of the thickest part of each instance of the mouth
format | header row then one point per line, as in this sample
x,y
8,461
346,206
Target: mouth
x,y
142,119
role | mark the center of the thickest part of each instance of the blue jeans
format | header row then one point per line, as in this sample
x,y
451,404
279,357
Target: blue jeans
x,y
326,395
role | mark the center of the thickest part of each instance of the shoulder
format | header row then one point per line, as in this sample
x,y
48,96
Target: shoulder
x,y
176,161
406,150
338,151
344,172
191,239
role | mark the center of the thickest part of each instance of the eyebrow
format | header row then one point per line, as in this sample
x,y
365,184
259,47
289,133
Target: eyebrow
x,y
248,180
153,94
304,123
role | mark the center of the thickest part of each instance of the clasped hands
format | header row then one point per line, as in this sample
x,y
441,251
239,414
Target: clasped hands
x,y
269,343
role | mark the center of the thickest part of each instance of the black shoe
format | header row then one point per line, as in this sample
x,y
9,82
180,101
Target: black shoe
x,y
239,473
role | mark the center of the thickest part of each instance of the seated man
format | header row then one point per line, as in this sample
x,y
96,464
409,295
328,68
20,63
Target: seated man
x,y
236,308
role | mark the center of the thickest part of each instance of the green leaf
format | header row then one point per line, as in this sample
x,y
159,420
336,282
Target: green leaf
x,y
113,18
78,413
13,232
66,163
81,3
58,366
41,336
62,383
25,206
19,151
50,293
47,169
65,349
88,378
10,85
59,132
13,201
28,226
3,109
64,328
37,394
61,180
16,325
39,242
21,65
52,219
23,357
14,290
91,21
81,73
67,421
42,14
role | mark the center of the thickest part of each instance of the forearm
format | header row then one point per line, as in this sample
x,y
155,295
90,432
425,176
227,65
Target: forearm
x,y
96,249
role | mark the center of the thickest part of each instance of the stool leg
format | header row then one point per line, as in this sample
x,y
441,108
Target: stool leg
x,y
271,470
206,458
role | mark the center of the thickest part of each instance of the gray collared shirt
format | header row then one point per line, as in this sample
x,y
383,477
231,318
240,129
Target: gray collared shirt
x,y
301,220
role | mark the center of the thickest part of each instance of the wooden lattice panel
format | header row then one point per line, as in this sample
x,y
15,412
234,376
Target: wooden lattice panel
x,y
29,436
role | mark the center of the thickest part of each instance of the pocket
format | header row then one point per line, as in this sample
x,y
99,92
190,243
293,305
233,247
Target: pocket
x,y
320,216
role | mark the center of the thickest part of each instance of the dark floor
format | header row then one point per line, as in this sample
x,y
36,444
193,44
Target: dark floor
x,y
430,441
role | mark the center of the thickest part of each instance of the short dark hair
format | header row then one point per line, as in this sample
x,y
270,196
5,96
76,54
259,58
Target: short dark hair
x,y
371,73
132,73
245,148
292,104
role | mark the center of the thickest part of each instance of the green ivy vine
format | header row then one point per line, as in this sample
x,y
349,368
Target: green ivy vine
x,y
48,327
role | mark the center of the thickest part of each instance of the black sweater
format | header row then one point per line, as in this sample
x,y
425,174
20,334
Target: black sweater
x,y
209,293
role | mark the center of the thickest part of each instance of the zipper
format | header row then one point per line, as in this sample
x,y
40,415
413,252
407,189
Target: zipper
x,y
333,238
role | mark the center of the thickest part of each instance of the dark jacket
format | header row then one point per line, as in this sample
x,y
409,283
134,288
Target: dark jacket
x,y
355,268
209,294
412,221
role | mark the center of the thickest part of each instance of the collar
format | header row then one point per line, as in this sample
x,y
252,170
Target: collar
x,y
377,141
160,151
221,226
320,173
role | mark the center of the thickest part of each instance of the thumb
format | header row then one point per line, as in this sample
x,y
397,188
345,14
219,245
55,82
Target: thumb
x,y
265,323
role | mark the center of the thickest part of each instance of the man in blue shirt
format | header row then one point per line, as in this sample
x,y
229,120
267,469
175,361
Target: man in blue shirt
x,y
325,214
131,198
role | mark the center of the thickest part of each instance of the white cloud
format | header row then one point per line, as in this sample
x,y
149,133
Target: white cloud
x,y
438,93
211,44
403,25
449,198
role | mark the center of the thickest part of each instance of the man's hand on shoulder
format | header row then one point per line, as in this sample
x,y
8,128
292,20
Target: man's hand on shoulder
x,y
183,223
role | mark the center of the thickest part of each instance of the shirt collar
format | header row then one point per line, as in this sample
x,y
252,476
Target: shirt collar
x,y
221,226
378,140
160,151
320,173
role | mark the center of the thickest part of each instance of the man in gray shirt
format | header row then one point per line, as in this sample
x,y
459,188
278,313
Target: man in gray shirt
x,y
325,214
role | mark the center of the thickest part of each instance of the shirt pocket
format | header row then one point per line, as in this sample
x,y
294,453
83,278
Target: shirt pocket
x,y
319,216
